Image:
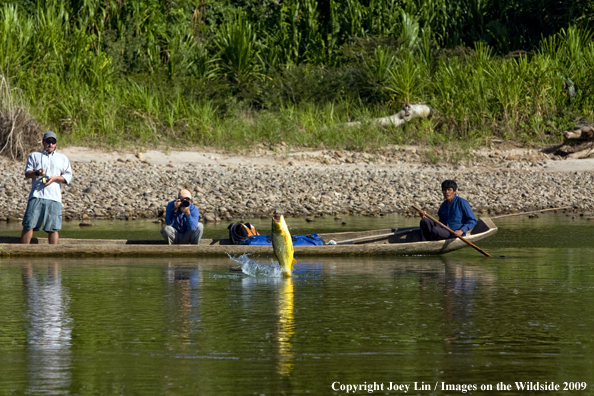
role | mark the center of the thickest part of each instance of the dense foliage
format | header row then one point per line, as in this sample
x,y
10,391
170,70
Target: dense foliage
x,y
246,71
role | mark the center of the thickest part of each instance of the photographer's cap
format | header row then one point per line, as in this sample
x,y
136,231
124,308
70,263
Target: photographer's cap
x,y
185,194
50,134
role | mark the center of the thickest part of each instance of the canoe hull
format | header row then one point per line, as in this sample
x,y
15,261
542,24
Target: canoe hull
x,y
367,245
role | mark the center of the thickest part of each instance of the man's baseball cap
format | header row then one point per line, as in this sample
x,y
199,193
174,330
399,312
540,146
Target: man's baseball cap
x,y
50,134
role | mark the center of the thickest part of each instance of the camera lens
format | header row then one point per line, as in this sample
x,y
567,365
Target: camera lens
x,y
185,203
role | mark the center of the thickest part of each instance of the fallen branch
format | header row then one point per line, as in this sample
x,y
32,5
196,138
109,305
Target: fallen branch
x,y
407,113
581,132
582,145
582,153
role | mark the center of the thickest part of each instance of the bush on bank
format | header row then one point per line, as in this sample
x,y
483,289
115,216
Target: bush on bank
x,y
231,74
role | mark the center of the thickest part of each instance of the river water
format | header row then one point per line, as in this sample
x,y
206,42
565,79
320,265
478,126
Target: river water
x,y
442,325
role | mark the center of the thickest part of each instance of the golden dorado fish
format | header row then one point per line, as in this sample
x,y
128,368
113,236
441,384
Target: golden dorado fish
x,y
282,244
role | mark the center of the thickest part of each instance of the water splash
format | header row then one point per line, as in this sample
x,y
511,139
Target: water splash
x,y
255,269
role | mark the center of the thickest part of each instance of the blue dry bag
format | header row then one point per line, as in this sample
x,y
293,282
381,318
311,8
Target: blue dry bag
x,y
298,240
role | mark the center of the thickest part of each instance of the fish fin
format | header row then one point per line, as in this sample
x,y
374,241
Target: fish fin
x,y
293,263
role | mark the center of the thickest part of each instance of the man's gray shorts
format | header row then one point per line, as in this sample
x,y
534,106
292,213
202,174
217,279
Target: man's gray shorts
x,y
174,237
43,211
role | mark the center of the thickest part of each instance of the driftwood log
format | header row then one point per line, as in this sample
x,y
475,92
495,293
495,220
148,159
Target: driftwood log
x,y
583,135
408,112
581,132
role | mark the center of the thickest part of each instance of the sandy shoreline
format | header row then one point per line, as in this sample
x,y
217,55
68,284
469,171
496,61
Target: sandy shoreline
x,y
268,157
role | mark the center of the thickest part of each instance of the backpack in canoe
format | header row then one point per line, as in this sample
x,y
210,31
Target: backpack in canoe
x,y
239,232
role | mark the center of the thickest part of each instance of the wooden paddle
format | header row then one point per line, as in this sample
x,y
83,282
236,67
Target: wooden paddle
x,y
441,224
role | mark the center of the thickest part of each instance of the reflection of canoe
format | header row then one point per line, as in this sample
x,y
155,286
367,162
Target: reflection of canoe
x,y
401,241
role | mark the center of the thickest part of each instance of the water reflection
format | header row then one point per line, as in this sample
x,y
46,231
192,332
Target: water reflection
x,y
262,274
184,298
171,327
49,332
459,285
463,290
286,327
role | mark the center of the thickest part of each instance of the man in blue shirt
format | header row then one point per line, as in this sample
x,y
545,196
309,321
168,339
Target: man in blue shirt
x,y
181,219
454,212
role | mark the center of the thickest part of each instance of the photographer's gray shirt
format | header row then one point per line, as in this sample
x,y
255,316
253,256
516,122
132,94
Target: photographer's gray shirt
x,y
54,164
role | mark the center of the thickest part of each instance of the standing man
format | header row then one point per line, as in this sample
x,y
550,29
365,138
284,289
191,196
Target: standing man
x,y
454,212
181,219
48,169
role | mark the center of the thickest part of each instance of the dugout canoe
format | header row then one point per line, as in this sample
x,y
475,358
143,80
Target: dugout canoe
x,y
386,242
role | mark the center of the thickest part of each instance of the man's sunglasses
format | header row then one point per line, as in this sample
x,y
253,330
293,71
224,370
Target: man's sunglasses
x,y
50,141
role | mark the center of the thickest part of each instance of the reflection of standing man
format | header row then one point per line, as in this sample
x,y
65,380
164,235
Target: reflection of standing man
x,y
49,331
181,217
48,169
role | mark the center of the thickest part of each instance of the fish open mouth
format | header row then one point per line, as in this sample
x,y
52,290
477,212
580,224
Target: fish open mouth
x,y
276,218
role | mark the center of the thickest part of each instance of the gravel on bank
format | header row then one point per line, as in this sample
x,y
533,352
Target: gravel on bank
x,y
333,183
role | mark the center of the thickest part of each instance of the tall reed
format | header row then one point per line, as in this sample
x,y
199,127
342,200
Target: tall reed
x,y
161,72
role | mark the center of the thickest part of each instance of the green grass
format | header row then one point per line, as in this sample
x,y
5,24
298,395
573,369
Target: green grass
x,y
166,74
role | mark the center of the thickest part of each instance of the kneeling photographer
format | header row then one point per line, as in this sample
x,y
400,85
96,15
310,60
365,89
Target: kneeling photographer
x,y
181,219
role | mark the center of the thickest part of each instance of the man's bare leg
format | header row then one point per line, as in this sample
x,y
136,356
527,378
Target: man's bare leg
x,y
53,237
26,236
